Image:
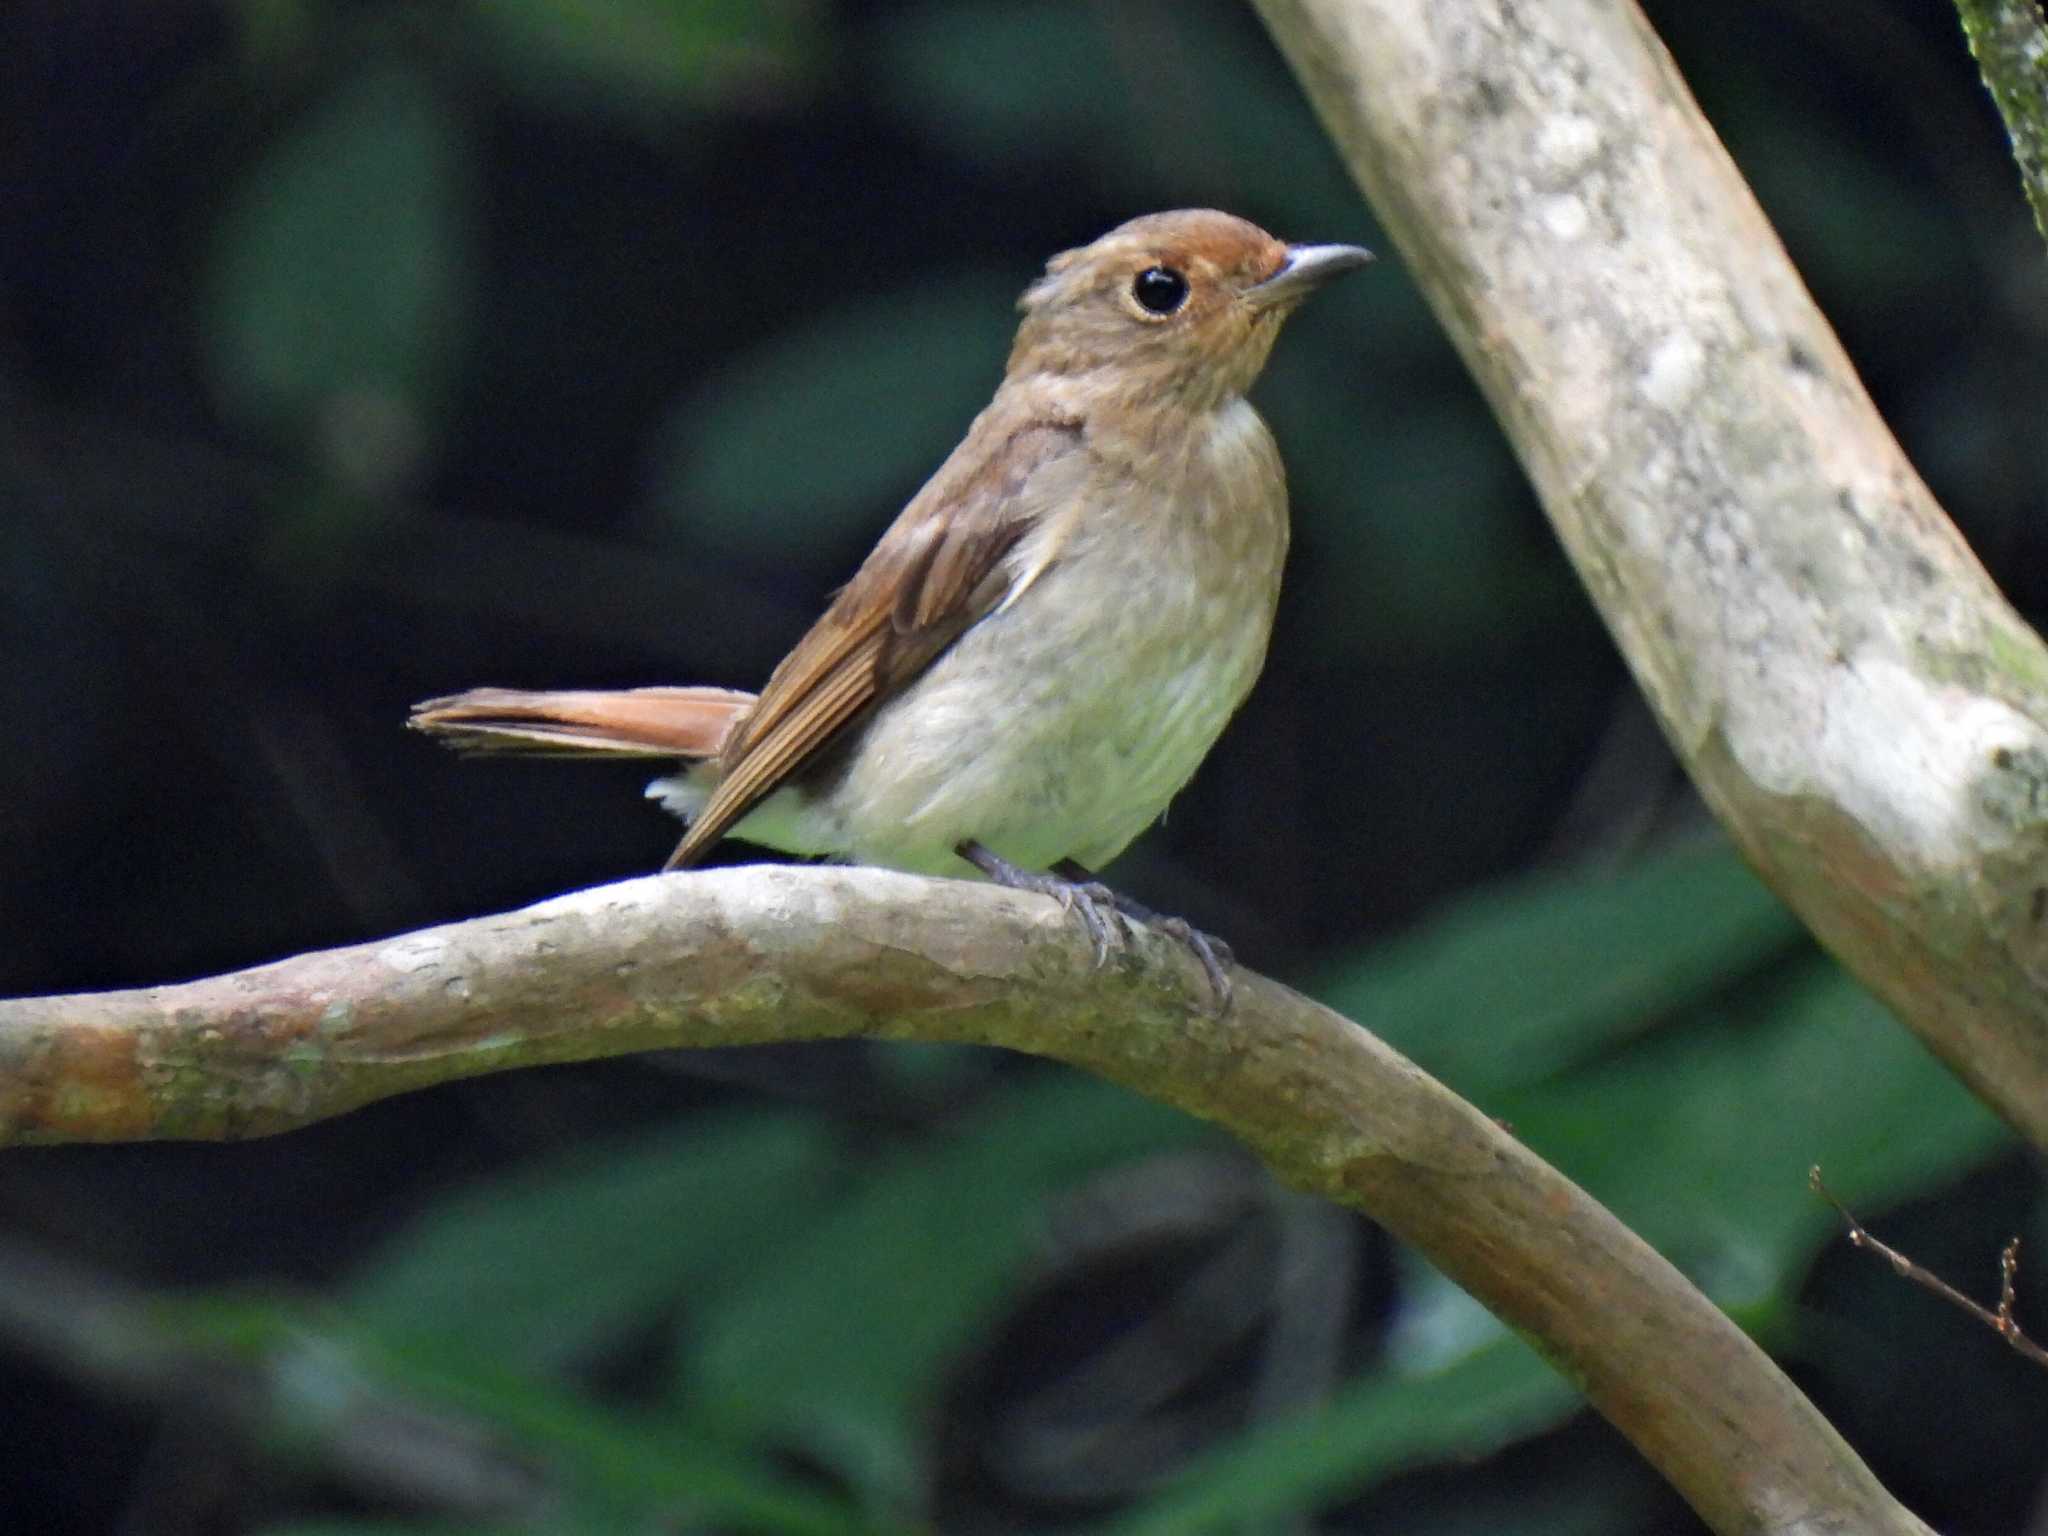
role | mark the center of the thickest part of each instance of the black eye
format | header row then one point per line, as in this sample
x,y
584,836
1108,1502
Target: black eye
x,y
1159,290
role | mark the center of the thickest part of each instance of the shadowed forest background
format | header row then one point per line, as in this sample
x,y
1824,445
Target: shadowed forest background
x,y
356,352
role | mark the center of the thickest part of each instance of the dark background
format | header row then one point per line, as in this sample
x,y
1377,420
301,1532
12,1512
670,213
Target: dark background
x,y
352,353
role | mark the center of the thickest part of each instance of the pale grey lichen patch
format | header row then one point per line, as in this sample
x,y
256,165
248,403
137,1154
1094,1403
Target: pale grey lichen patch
x,y
1567,142
1913,762
1564,216
414,952
1673,372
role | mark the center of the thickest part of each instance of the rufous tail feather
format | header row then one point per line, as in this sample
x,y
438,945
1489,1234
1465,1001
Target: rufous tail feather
x,y
629,722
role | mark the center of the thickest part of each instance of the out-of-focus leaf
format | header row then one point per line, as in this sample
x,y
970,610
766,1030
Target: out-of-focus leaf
x,y
1823,192
1511,985
1161,97
627,1470
274,30
828,428
337,287
67,702
1438,1322
638,1462
1002,81
652,56
1493,1396
1413,517
838,1341
539,1267
1576,1497
1700,1139
1211,113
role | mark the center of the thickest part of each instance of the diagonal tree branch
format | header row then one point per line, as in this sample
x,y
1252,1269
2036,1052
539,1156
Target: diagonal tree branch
x,y
1853,697
768,953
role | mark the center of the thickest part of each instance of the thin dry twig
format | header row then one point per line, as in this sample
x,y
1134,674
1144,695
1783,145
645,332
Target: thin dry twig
x,y
2000,1322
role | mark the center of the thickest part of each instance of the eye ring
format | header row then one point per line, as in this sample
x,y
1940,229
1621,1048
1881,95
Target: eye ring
x,y
1159,291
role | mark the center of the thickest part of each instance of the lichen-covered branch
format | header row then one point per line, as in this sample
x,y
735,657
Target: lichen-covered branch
x,y
2010,43
1854,698
761,954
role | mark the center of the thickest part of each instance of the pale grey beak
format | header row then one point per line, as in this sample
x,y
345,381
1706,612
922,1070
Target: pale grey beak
x,y
1308,267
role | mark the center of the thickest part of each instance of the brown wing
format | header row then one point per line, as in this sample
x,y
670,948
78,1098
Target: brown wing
x,y
936,571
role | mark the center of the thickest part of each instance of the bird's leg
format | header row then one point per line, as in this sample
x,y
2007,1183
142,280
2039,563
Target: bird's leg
x,y
1206,947
1095,904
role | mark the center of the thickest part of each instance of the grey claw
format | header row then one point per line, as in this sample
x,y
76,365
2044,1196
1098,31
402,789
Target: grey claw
x,y
1105,915
1095,905
1212,952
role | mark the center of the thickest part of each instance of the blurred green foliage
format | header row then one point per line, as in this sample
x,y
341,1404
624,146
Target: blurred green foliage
x,y
825,423
358,351
646,60
340,267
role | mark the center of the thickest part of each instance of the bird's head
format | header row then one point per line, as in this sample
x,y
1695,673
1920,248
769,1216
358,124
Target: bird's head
x,y
1173,307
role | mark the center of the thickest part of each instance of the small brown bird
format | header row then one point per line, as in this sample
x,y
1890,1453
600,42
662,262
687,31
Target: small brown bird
x,y
1051,635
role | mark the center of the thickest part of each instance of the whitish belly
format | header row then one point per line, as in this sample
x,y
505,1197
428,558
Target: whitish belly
x,y
1057,729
